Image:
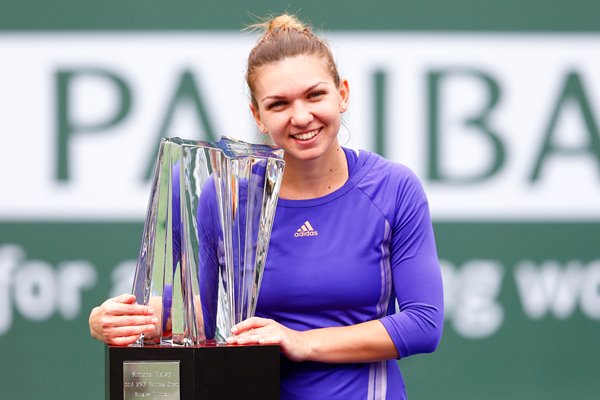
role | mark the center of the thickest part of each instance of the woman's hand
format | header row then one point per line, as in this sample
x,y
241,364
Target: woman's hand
x,y
257,330
120,321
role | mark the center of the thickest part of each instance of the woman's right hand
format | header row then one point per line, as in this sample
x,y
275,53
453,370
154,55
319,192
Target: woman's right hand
x,y
120,321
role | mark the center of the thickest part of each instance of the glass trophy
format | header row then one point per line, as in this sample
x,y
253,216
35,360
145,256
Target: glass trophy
x,y
200,265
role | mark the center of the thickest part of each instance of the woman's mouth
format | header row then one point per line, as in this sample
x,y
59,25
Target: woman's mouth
x,y
306,135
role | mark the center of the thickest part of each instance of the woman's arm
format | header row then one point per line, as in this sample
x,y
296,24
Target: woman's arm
x,y
365,342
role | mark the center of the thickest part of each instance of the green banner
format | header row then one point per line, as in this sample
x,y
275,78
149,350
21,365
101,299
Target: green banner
x,y
495,106
540,280
384,15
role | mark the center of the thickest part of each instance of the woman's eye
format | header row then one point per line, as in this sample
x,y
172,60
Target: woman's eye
x,y
276,104
315,95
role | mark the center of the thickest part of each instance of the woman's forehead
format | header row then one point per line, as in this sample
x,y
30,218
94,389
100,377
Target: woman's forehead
x,y
296,73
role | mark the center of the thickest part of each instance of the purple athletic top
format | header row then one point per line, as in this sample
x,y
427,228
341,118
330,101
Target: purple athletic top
x,y
346,258
343,259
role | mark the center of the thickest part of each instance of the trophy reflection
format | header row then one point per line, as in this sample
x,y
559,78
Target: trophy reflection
x,y
206,237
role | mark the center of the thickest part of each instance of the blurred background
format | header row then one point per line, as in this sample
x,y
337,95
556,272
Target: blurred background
x,y
494,104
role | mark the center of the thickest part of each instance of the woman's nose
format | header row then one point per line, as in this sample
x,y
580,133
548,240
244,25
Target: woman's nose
x,y
301,115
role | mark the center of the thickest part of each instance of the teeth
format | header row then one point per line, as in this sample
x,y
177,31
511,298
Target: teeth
x,y
307,135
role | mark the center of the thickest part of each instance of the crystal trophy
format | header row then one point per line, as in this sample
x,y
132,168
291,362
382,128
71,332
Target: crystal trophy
x,y
200,265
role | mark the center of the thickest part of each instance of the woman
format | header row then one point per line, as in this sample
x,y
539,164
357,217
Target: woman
x,y
352,235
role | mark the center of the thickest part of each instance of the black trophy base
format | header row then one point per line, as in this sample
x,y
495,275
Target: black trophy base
x,y
188,373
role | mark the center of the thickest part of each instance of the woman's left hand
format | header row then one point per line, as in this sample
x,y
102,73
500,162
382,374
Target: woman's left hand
x,y
257,330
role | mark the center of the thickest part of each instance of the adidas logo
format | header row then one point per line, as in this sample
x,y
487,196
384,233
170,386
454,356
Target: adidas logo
x,y
306,230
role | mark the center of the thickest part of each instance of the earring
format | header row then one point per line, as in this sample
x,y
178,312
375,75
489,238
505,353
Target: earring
x,y
344,142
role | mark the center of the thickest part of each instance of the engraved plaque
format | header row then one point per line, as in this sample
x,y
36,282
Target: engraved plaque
x,y
151,380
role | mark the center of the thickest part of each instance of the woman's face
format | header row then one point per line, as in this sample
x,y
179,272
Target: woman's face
x,y
300,106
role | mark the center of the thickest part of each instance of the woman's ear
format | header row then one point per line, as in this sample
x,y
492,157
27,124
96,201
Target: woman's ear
x,y
256,115
344,91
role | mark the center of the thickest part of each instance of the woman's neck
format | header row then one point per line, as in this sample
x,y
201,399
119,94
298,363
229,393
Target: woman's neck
x,y
309,179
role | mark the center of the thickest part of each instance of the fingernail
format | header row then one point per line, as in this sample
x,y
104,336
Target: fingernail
x,y
234,329
154,320
150,311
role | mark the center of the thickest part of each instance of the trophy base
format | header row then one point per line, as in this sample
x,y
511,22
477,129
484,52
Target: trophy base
x,y
187,373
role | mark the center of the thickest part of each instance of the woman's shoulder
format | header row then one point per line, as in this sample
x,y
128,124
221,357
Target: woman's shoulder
x,y
383,171
389,184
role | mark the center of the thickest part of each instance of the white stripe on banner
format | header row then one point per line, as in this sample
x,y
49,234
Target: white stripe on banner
x,y
500,126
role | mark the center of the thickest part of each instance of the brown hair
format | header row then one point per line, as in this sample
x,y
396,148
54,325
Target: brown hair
x,y
285,36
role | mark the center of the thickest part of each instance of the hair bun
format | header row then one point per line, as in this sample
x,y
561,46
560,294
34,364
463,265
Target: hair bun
x,y
286,22
285,36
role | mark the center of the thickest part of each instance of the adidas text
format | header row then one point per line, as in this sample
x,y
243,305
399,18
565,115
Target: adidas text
x,y
309,233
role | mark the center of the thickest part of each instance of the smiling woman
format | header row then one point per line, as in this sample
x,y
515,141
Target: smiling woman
x,y
297,98
351,237
299,106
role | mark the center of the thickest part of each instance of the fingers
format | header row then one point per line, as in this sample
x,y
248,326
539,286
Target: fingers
x,y
250,323
255,338
124,305
124,335
124,341
131,337
124,298
126,331
257,331
108,322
